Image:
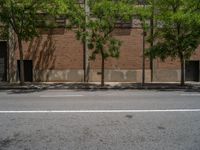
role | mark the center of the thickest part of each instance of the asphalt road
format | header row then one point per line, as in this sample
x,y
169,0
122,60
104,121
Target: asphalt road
x,y
99,120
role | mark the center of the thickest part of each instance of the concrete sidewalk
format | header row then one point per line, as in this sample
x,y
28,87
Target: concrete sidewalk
x,y
96,86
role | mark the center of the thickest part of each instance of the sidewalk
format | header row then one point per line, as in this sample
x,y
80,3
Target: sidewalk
x,y
96,86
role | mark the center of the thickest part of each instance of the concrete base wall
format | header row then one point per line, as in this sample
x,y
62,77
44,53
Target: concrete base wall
x,y
165,75
120,75
161,75
95,76
58,75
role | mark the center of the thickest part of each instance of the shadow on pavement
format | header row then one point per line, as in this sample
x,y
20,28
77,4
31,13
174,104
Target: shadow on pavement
x,y
92,87
24,91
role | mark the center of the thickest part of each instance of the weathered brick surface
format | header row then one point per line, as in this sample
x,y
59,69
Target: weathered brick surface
x,y
168,64
61,51
196,55
175,64
55,52
130,52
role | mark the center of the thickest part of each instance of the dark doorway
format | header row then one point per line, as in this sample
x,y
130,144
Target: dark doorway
x,y
192,71
3,61
28,70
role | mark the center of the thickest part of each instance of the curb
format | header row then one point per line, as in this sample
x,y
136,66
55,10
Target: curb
x,y
117,87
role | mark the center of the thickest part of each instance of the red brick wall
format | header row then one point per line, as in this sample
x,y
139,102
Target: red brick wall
x,y
64,51
56,52
168,64
196,55
175,64
130,52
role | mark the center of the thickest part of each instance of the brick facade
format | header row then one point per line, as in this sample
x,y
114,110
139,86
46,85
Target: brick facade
x,y
58,56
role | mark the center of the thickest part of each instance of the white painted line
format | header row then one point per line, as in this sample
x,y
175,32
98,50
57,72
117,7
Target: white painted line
x,y
190,94
99,111
57,96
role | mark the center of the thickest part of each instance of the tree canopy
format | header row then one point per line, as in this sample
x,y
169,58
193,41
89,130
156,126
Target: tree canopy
x,y
178,23
23,17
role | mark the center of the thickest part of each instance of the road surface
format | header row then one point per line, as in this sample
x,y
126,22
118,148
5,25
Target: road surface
x,y
99,120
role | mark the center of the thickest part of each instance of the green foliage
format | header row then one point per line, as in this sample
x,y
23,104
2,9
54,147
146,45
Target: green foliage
x,y
177,29
75,15
20,16
4,32
100,25
23,15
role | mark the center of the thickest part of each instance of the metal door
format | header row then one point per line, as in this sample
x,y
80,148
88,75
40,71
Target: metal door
x,y
3,60
192,71
28,70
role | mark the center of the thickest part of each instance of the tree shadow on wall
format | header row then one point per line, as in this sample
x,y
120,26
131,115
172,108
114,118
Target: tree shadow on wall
x,y
42,51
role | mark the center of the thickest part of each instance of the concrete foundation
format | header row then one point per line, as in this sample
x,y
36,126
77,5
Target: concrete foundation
x,y
120,75
110,76
95,76
165,75
58,76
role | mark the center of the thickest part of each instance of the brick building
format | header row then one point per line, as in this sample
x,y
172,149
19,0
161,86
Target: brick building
x,y
57,56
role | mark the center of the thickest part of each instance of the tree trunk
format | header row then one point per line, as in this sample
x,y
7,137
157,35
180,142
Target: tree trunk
x,y
102,70
86,52
152,39
85,63
21,62
152,69
182,71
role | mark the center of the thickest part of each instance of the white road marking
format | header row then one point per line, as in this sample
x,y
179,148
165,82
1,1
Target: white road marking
x,y
57,96
190,94
98,111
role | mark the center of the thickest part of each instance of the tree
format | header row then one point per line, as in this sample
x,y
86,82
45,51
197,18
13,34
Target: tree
x,y
22,16
99,27
177,29
77,17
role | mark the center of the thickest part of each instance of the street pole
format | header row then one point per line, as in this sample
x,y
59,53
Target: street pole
x,y
86,52
143,50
